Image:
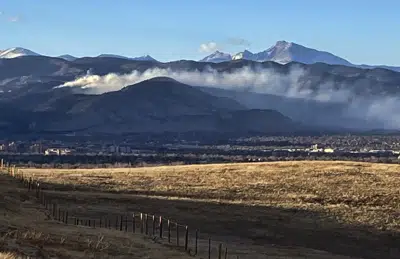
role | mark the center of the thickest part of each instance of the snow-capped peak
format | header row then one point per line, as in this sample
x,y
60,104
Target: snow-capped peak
x,y
17,52
243,55
284,52
217,57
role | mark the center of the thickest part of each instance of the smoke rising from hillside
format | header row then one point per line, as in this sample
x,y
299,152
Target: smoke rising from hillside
x,y
295,84
257,80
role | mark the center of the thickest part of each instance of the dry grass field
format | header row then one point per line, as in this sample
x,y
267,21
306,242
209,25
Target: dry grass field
x,y
280,209
27,230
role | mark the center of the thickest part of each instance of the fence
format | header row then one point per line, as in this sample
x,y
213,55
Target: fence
x,y
158,227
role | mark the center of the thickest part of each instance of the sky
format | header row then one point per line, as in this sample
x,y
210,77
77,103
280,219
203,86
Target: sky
x,y
363,32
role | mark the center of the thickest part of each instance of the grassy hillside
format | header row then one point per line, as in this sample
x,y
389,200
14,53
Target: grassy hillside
x,y
343,208
26,229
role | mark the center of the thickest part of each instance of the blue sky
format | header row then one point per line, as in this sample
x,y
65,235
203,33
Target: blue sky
x,y
361,31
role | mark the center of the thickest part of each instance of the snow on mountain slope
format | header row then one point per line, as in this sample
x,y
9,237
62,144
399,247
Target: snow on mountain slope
x,y
284,52
217,57
244,55
16,52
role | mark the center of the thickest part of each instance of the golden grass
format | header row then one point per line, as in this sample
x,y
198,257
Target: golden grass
x,y
27,230
361,193
319,205
8,256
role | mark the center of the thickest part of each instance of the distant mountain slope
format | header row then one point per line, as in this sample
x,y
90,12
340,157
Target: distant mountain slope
x,y
284,52
141,58
158,97
247,55
156,105
144,58
36,66
17,52
217,57
308,112
28,78
311,77
67,57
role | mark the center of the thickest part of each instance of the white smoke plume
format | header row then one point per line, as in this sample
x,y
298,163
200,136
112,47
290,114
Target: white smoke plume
x,y
294,84
258,80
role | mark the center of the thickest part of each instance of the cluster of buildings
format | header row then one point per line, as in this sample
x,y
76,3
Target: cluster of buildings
x,y
60,148
57,151
316,149
364,146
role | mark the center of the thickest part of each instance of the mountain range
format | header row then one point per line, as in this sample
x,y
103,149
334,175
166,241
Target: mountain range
x,y
114,95
22,52
157,105
282,52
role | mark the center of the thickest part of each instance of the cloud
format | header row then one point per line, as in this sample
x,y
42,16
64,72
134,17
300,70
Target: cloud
x,y
208,47
294,84
14,19
238,42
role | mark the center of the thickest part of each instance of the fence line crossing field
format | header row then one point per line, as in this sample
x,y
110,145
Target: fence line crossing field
x,y
30,227
293,209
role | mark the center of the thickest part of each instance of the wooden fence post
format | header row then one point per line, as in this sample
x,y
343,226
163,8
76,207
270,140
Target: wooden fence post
x,y
154,225
209,248
141,222
121,222
66,217
147,223
186,237
169,231
226,252
37,190
220,251
161,227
